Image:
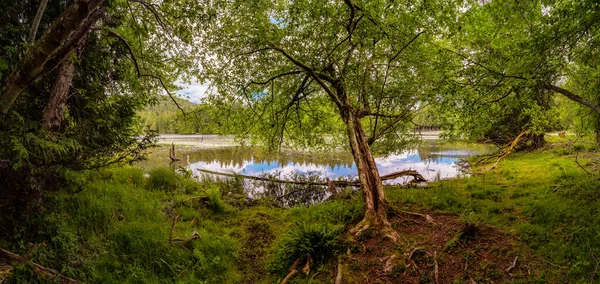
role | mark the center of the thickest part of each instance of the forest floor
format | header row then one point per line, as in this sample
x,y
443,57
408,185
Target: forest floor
x,y
532,218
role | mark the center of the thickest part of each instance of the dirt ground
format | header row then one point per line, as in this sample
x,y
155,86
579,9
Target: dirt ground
x,y
439,249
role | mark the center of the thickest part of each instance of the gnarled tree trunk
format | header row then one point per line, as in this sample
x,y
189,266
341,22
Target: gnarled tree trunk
x,y
368,174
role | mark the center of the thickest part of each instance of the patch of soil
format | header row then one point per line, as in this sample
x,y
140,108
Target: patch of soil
x,y
463,253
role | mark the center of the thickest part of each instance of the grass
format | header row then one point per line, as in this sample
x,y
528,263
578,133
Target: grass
x,y
117,228
543,197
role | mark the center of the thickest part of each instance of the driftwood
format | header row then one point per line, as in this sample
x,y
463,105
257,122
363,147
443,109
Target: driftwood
x,y
172,153
39,270
417,178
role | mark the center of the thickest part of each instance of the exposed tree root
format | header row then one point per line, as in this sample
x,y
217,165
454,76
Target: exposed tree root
x,y
436,275
340,269
427,217
383,226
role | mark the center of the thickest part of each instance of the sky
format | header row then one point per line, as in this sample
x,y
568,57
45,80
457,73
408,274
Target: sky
x,y
193,92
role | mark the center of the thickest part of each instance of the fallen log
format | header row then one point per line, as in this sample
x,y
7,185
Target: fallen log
x,y
417,178
39,270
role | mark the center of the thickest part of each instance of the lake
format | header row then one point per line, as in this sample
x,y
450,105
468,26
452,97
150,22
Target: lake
x,y
432,159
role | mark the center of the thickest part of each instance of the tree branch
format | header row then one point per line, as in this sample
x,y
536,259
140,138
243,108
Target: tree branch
x,y
573,97
396,119
36,21
501,74
152,10
139,72
405,47
319,77
275,77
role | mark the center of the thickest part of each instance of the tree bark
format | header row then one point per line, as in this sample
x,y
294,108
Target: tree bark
x,y
368,174
51,49
54,113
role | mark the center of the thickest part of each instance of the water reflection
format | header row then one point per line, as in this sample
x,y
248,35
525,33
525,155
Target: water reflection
x,y
432,160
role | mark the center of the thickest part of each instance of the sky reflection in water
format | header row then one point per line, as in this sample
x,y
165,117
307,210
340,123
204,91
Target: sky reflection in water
x,y
431,161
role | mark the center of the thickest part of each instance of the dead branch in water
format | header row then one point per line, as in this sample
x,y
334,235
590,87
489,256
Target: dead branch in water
x,y
417,178
172,153
39,270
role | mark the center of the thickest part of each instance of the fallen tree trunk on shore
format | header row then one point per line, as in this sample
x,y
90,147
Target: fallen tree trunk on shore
x,y
417,178
39,270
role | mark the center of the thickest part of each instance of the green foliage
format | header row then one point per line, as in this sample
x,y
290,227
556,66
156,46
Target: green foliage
x,y
320,240
216,202
164,179
548,201
164,117
279,83
114,230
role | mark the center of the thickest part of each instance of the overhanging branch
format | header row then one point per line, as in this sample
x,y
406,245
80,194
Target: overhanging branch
x,y
139,71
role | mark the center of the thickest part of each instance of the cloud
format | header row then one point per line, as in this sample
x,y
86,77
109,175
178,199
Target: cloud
x,y
194,92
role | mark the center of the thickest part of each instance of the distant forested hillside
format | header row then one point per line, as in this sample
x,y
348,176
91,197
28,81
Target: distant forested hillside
x,y
164,117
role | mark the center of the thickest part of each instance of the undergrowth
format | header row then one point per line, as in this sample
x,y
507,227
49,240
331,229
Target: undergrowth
x,y
116,227
543,197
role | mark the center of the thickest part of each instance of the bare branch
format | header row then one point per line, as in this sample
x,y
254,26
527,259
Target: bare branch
x,y
36,21
405,47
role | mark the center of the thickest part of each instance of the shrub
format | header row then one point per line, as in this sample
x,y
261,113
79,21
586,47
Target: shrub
x,y
321,240
216,202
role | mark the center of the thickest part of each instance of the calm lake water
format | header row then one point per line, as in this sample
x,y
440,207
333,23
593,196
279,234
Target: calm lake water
x,y
432,159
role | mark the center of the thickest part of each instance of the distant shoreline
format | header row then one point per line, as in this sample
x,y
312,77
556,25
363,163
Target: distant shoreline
x,y
214,140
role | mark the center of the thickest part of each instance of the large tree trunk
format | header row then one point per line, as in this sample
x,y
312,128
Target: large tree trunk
x,y
54,113
370,180
52,48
